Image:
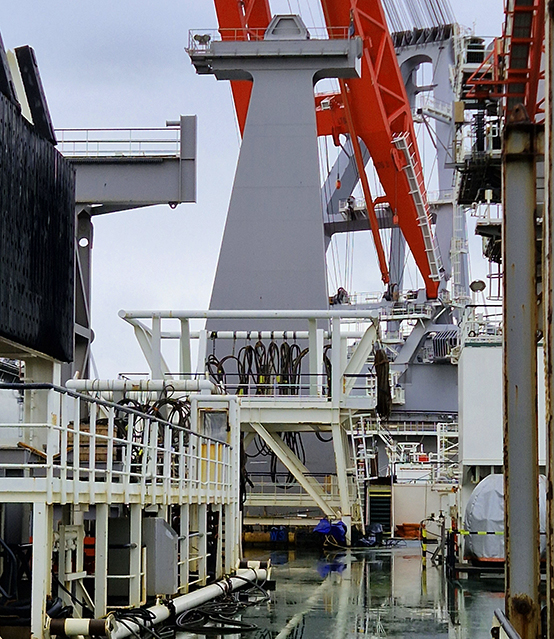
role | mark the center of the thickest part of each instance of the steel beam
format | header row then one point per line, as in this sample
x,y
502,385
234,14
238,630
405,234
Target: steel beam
x,y
295,466
130,181
359,357
41,566
340,446
151,349
101,560
520,380
548,286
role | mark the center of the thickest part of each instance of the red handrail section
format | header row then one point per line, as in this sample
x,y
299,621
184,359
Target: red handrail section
x,y
379,113
511,69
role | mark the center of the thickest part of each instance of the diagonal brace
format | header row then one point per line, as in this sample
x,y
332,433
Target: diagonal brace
x,y
295,466
359,357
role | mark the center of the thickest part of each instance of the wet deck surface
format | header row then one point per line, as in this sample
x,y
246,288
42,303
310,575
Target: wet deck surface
x,y
371,593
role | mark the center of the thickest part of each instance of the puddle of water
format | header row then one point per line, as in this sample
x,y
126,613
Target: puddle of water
x,y
371,593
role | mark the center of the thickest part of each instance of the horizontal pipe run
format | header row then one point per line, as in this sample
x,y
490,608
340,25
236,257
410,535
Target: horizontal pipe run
x,y
286,335
112,628
102,402
127,385
256,314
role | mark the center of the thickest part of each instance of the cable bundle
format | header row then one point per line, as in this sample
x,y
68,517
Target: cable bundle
x,y
261,368
167,408
143,618
216,616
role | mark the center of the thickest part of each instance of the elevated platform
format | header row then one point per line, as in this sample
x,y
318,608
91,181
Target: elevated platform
x,y
120,169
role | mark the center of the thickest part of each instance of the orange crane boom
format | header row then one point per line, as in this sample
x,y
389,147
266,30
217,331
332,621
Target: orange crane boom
x,y
241,15
382,119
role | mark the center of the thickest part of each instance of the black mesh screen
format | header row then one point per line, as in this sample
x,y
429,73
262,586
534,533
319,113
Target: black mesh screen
x,y
37,220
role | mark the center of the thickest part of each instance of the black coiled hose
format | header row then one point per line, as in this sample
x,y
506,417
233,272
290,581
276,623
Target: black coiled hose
x,y
266,370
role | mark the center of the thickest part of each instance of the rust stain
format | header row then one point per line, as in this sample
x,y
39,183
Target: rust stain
x,y
522,604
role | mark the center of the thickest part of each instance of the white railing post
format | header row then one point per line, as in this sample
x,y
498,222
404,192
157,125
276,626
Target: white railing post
x,y
92,451
109,454
153,457
313,357
336,372
127,461
185,367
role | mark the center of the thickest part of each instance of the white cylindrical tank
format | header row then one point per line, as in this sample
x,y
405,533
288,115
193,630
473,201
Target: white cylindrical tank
x,y
485,514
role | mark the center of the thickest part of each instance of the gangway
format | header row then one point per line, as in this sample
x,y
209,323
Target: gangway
x,y
124,168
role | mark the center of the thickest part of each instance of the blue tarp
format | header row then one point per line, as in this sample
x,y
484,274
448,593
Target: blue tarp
x,y
337,529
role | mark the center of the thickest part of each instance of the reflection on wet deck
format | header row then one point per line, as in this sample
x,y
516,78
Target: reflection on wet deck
x,y
371,593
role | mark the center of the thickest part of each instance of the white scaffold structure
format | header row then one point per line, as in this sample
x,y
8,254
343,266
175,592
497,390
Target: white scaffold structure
x,y
122,505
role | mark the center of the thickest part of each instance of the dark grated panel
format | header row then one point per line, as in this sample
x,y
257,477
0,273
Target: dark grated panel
x,y
37,227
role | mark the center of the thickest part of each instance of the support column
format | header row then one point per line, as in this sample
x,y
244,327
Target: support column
x,y
101,560
341,461
276,198
185,367
336,360
548,303
41,566
520,381
202,544
230,538
397,257
135,554
156,365
184,549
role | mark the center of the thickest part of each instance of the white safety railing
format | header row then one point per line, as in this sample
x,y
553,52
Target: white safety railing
x,y
441,196
118,142
93,451
273,363
481,324
406,311
201,39
279,488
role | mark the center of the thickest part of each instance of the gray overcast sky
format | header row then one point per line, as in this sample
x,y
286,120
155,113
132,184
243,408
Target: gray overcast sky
x,y
121,63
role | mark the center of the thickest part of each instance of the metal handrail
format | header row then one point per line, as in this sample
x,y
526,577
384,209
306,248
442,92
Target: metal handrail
x,y
137,142
201,39
144,457
97,400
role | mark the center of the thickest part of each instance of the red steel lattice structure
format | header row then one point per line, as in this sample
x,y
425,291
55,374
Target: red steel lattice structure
x,y
512,68
374,108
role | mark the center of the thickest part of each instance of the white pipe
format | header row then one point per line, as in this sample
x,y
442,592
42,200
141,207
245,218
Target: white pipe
x,y
254,335
257,314
125,385
114,629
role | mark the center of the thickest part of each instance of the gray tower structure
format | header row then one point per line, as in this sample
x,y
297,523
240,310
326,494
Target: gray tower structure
x,y
273,250
438,47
